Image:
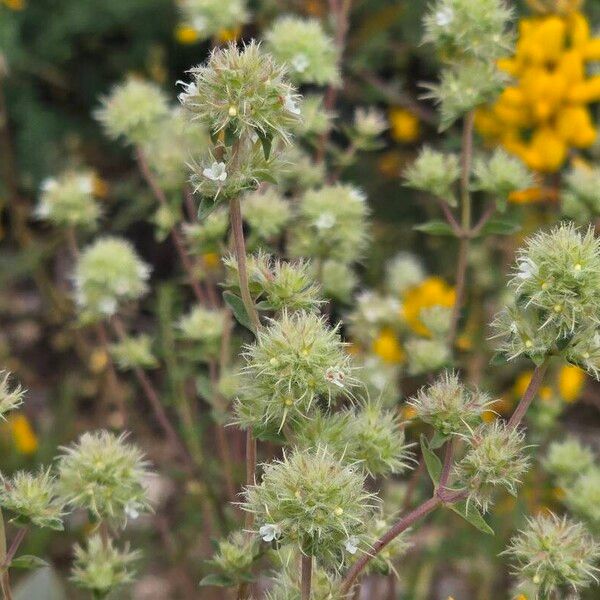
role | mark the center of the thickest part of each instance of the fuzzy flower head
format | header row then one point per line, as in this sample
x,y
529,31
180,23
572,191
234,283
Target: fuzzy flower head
x,y
234,559
209,18
557,556
109,272
567,459
315,118
68,201
313,502
204,327
103,474
495,458
207,236
242,92
449,406
367,436
33,499
369,122
581,195
404,271
267,213
556,284
332,224
460,90
277,284
11,396
500,175
133,352
295,363
102,568
170,148
427,356
307,51
463,29
338,280
133,110
435,173
582,497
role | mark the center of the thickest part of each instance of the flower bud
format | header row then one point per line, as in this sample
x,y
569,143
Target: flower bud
x,y
204,327
134,352
435,173
267,213
11,397
427,356
568,459
101,567
234,559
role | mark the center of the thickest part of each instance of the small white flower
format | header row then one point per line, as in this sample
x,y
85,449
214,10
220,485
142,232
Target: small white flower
x,y
335,376
325,221
86,184
48,184
444,16
527,269
291,104
352,544
270,532
107,306
300,62
199,23
216,172
131,510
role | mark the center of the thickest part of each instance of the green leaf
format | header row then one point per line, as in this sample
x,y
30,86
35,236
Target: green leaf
x,y
499,227
230,136
438,440
217,579
435,228
432,462
204,387
239,310
28,561
472,515
207,206
266,139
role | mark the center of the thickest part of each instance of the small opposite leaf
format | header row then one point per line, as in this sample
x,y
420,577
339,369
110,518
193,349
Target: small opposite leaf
x,y
216,580
472,515
435,228
266,139
207,206
28,561
239,310
499,227
437,441
432,462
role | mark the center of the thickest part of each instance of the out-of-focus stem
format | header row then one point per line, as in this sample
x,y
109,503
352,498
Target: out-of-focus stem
x,y
175,233
529,395
465,221
306,576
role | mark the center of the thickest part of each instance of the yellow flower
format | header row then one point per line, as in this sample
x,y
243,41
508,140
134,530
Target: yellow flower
x,y
98,360
404,125
433,291
24,437
571,380
229,35
14,4
387,347
544,112
185,34
211,260
521,383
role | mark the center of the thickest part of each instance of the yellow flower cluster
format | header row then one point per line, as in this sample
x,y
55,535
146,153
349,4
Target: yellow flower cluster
x,y
432,291
404,125
545,112
23,436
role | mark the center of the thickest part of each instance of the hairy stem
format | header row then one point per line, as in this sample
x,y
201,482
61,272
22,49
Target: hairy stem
x,y
529,395
402,525
239,245
443,496
306,576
